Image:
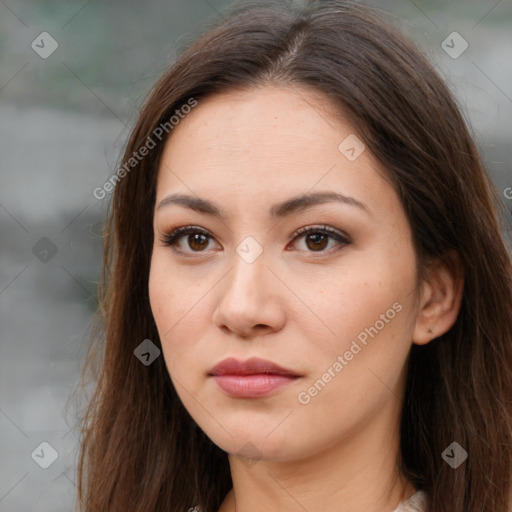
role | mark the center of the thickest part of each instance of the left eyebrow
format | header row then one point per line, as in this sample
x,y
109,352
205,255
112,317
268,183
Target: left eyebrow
x,y
295,204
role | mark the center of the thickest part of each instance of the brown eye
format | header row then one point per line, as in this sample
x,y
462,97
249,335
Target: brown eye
x,y
317,239
196,241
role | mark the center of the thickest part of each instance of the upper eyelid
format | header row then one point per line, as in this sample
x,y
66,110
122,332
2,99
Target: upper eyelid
x,y
299,231
181,231
318,227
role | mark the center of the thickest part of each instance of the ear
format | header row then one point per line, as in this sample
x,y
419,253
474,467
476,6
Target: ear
x,y
440,299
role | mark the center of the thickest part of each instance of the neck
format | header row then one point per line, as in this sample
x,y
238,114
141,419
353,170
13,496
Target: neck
x,y
357,475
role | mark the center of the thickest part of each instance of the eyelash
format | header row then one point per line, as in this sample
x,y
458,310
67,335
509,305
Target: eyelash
x,y
171,239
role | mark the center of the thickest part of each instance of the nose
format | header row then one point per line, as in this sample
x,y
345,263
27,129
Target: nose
x,y
250,299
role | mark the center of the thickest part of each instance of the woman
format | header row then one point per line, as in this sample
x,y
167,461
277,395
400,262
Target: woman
x,y
309,297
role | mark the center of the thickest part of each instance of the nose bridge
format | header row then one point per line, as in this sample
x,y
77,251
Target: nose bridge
x,y
249,269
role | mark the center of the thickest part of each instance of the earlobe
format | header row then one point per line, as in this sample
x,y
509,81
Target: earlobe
x,y
440,301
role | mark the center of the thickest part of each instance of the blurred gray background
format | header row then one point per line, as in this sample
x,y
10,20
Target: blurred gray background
x,y
73,75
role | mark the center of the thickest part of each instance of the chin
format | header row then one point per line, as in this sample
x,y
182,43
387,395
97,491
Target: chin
x,y
252,442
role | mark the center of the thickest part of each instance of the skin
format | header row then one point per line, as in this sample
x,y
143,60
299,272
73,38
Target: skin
x,y
298,304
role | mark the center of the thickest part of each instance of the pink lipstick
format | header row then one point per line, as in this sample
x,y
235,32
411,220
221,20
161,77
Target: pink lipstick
x,y
253,378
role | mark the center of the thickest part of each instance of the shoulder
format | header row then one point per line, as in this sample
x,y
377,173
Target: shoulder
x,y
416,503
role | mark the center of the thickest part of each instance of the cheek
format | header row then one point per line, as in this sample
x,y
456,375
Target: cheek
x,y
355,300
168,294
166,306
366,313
177,305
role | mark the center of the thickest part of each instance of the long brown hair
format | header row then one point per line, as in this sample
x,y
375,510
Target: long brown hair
x,y
140,449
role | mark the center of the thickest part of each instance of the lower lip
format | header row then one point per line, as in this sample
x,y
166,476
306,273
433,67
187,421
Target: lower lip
x,y
252,386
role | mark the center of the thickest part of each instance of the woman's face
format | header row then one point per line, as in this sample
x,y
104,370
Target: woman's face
x,y
336,309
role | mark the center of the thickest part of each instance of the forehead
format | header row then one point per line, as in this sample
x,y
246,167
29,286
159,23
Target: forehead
x,y
267,144
268,123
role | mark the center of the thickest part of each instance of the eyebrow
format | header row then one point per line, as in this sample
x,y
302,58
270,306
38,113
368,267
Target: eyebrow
x,y
279,210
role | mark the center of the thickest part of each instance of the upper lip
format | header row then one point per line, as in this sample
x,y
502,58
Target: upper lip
x,y
252,366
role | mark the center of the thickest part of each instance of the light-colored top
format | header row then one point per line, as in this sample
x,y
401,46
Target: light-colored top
x,y
416,503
